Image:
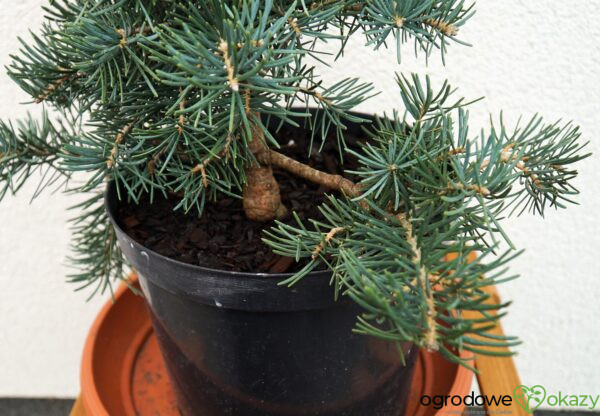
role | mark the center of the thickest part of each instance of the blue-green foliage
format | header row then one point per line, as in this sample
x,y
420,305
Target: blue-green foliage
x,y
165,96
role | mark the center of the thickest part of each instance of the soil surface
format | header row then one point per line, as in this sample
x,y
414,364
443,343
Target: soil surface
x,y
222,238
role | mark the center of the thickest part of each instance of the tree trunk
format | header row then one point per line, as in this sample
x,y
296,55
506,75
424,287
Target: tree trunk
x,y
262,199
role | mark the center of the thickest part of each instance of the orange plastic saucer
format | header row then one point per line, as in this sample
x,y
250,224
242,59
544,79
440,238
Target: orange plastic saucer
x,y
123,373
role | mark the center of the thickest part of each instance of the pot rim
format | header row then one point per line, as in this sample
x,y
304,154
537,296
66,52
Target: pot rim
x,y
110,204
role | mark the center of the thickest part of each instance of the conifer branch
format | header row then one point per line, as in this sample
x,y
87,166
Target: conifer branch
x,y
430,336
56,85
507,156
328,237
181,119
51,88
96,256
110,162
317,95
481,190
223,48
123,35
447,29
29,147
201,167
292,22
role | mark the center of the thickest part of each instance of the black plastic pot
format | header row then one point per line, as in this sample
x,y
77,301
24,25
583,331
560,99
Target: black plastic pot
x,y
239,344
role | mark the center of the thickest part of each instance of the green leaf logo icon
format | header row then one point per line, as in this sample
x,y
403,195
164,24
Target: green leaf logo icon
x,y
529,398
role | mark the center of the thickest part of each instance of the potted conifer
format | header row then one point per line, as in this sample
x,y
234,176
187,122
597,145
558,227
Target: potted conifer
x,y
293,254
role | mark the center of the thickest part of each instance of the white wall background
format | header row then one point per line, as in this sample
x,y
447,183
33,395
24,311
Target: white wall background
x,y
527,57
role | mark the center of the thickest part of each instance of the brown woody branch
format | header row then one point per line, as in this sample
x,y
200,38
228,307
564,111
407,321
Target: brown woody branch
x,y
181,120
317,95
328,237
54,86
269,204
223,49
292,22
481,190
336,182
507,156
110,162
431,342
147,30
201,167
444,27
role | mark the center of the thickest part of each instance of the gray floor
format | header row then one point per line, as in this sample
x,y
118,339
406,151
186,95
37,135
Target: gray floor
x,y
35,407
61,407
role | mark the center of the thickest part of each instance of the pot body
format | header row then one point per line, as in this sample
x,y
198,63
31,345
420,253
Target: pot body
x,y
239,344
